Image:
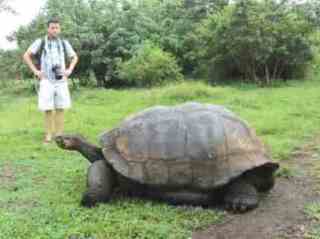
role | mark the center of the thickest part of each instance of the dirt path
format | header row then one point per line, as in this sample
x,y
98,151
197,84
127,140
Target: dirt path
x,y
281,213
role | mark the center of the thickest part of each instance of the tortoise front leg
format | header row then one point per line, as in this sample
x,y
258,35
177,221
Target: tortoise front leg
x,y
100,182
241,196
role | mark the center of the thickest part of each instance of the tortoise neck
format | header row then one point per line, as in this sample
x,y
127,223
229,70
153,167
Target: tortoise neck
x,y
90,151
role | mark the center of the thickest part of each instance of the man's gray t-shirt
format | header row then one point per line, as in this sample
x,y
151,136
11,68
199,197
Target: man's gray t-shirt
x,y
52,54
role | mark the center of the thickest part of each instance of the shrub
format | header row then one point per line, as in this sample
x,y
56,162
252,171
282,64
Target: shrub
x,y
314,68
149,66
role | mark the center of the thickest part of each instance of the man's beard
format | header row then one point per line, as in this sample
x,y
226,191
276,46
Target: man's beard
x,y
56,36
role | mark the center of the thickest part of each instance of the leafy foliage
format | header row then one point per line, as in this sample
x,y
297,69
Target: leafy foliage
x,y
107,32
257,40
11,66
150,66
254,40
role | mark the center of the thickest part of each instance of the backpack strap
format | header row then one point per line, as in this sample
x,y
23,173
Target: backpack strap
x,y
65,51
41,50
38,56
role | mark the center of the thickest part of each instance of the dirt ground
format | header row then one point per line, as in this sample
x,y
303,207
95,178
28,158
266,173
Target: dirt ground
x,y
7,176
281,213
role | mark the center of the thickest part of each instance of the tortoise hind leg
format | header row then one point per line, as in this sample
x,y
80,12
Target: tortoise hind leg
x,y
100,183
241,196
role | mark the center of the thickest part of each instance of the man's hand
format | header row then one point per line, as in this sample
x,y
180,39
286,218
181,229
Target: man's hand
x,y
27,58
71,67
38,74
67,73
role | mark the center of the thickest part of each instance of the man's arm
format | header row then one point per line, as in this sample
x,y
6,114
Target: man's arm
x,y
73,56
72,65
28,60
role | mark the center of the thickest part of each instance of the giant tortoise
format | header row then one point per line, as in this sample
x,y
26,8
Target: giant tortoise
x,y
196,154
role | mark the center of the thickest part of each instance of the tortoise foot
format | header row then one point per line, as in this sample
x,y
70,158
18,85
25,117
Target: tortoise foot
x,y
88,200
241,197
92,199
100,181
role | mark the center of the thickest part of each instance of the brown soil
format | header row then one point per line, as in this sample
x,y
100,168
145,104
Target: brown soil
x,y
281,213
7,176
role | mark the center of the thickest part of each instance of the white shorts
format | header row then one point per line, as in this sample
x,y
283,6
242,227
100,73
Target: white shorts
x,y
53,95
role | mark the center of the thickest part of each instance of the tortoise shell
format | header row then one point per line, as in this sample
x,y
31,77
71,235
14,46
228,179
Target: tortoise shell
x,y
194,145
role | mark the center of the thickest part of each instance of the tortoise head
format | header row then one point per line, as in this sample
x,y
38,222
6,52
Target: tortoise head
x,y
69,142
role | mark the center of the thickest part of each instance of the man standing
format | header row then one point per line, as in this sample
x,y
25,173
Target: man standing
x,y
52,72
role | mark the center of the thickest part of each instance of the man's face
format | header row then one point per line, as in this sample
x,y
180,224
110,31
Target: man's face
x,y
54,30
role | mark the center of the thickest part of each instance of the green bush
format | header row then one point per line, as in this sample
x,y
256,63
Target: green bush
x,y
149,66
314,68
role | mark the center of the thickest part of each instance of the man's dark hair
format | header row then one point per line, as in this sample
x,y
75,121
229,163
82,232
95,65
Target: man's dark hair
x,y
53,20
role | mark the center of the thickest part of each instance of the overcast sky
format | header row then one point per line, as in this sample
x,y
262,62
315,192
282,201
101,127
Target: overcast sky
x,y
27,10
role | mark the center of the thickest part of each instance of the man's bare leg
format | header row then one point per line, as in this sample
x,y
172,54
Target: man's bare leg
x,y
49,125
59,122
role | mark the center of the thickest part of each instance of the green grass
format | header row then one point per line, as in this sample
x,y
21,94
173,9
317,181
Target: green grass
x,y
41,186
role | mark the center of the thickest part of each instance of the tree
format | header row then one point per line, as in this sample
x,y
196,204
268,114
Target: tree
x,y
10,65
258,40
255,40
311,10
